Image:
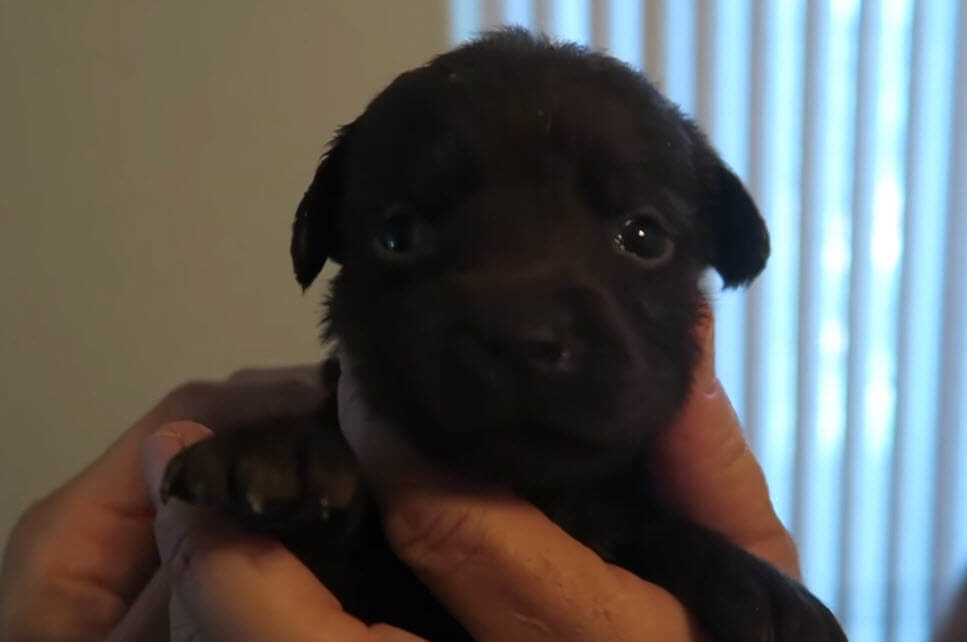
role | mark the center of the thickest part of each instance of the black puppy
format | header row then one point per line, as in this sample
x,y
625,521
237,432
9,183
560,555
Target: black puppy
x,y
522,227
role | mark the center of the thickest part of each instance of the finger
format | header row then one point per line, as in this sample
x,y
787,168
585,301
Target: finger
x,y
117,477
711,475
116,480
147,619
308,374
181,624
235,586
184,629
508,573
501,567
105,512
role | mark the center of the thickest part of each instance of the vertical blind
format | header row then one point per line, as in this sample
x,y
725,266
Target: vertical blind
x,y
846,360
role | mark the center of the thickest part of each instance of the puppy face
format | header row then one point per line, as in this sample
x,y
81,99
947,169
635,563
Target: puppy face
x,y
522,228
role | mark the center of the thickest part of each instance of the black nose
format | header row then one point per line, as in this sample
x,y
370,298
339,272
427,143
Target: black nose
x,y
542,348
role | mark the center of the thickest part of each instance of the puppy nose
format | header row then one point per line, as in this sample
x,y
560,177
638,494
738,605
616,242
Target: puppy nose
x,y
543,348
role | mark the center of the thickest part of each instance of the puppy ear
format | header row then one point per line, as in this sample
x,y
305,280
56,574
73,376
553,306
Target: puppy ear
x,y
317,231
738,240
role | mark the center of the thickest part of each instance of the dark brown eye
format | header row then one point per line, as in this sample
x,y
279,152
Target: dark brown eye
x,y
403,236
398,234
644,238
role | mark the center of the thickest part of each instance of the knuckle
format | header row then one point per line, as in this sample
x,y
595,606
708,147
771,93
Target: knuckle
x,y
247,374
789,554
42,595
435,539
778,547
29,551
32,520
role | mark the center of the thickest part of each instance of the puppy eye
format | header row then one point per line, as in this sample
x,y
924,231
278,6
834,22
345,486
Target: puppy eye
x,y
398,234
644,238
402,235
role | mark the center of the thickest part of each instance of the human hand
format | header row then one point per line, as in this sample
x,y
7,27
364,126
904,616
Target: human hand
x,y
77,563
81,563
504,569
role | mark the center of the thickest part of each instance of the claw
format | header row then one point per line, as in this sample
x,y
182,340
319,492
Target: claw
x,y
255,502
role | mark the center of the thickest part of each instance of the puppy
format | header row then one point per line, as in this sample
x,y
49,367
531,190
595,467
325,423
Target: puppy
x,y
522,228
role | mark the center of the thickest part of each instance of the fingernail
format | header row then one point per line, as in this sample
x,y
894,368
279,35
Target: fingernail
x,y
705,376
157,450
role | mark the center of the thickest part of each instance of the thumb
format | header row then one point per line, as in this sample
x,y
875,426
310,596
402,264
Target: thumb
x,y
710,474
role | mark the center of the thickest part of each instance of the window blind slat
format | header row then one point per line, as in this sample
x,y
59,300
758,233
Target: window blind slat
x,y
910,597
601,24
543,15
809,235
655,41
950,521
492,14
761,69
722,35
706,15
679,55
517,12
570,20
464,18
859,309
781,278
626,29
901,603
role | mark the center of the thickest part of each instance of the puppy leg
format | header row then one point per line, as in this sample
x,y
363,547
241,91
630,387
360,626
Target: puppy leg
x,y
735,596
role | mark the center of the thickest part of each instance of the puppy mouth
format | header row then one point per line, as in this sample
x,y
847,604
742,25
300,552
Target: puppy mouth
x,y
530,454
495,361
479,358
540,403
505,393
545,435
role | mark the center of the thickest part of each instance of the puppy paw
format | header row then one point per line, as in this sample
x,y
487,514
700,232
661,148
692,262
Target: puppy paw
x,y
267,479
771,607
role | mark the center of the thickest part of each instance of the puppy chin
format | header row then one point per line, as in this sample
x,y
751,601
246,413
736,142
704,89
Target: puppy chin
x,y
527,457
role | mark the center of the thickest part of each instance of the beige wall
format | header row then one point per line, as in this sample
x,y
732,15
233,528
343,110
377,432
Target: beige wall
x,y
152,157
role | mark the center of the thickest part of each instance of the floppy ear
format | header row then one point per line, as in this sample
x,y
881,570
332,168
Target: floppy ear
x,y
738,241
318,228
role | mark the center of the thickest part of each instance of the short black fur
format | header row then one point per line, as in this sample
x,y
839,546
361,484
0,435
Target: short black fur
x,y
490,312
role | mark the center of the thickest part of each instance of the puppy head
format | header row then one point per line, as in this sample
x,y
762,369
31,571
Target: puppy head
x,y
522,227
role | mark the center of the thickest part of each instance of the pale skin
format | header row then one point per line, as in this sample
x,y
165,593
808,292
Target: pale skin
x,y
103,558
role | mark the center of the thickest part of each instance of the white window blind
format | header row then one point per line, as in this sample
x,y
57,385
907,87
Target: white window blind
x,y
846,360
